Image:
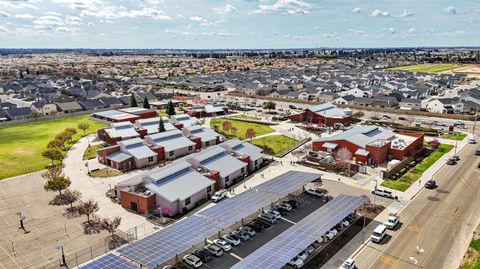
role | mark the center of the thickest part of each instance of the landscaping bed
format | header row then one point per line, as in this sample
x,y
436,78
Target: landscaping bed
x,y
459,136
241,116
241,128
274,144
91,152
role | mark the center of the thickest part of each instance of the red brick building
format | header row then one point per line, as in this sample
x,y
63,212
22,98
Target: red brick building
x,y
325,115
371,144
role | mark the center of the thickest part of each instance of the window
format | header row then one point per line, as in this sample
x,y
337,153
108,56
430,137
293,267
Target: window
x,y
209,189
190,148
227,178
171,153
207,143
256,162
187,201
243,170
150,159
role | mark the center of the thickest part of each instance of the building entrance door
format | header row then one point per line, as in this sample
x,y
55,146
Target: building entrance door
x,y
134,206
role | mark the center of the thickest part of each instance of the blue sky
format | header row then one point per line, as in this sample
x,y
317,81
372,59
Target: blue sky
x,y
238,23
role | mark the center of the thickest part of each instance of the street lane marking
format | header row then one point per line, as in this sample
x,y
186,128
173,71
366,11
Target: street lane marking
x,y
287,220
388,261
236,256
414,229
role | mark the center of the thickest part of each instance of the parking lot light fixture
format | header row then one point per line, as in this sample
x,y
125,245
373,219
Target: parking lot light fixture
x,y
64,262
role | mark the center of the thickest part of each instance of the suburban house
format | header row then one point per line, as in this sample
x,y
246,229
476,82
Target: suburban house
x,y
44,108
69,107
127,155
184,120
111,102
324,114
218,164
371,144
170,190
152,124
410,104
445,105
18,113
202,136
91,104
243,150
170,145
119,131
344,100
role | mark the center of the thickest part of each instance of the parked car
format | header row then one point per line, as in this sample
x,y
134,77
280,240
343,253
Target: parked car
x,y
285,206
292,203
302,255
402,118
472,140
334,231
310,250
292,107
204,255
329,235
345,223
296,262
280,210
316,192
383,193
219,195
268,217
348,264
392,222
242,235
248,230
265,224
232,239
451,161
477,151
192,260
257,227
224,245
275,213
431,184
214,250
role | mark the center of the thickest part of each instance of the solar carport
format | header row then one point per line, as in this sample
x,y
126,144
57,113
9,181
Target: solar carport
x,y
176,239
283,248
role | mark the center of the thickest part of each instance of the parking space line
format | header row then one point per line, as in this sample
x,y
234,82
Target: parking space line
x,y
236,256
287,220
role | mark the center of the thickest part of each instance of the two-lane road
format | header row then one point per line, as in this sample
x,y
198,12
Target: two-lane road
x,y
437,225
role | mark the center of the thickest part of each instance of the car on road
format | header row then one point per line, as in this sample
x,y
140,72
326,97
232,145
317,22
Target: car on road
x,y
383,193
451,161
430,184
348,264
378,234
292,107
296,262
316,192
472,140
219,195
232,239
168,267
456,157
477,151
214,250
402,118
204,255
224,245
192,260
392,222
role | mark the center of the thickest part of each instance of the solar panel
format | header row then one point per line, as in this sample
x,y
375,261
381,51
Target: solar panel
x,y
109,261
283,248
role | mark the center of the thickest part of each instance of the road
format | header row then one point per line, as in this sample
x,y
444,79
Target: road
x,y
437,225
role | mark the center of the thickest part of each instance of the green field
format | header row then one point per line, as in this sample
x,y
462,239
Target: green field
x,y
21,145
413,175
91,152
455,136
424,68
241,116
275,144
260,129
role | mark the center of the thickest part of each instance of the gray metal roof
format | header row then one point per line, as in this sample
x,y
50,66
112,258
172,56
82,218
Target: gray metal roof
x,y
186,120
137,148
118,156
244,148
217,159
122,129
206,134
361,136
170,140
328,110
152,124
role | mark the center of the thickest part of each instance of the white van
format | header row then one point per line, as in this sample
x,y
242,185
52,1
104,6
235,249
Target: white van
x,y
378,234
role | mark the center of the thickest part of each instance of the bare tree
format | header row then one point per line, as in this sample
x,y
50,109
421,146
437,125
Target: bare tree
x,y
111,225
71,197
35,114
342,159
88,208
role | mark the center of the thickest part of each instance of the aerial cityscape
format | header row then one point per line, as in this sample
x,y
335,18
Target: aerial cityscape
x,y
243,134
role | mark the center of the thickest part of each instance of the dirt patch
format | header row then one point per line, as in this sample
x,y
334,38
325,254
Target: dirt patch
x,y
23,152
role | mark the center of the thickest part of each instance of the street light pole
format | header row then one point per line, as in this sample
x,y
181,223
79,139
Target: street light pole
x,y
63,262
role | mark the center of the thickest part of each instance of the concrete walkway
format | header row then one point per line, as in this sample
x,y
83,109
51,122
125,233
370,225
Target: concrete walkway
x,y
96,188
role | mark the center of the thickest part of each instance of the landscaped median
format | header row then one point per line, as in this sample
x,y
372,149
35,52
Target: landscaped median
x,y
238,129
91,152
413,175
455,136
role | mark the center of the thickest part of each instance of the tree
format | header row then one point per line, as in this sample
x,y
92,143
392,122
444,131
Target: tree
x,y
35,114
56,181
226,125
269,105
133,101
161,126
358,114
71,197
250,133
145,103
409,120
342,158
54,154
88,208
233,130
84,126
170,108
111,225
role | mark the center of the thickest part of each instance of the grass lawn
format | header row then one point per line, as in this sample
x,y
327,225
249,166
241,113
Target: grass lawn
x,y
21,145
475,244
91,152
241,116
277,143
455,136
260,129
431,68
105,172
414,174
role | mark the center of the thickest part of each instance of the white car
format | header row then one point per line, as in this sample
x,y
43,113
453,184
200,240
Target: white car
x,y
348,264
391,222
248,230
302,256
345,223
334,232
219,195
329,235
222,244
214,250
275,213
296,262
472,140
192,260
315,192
231,240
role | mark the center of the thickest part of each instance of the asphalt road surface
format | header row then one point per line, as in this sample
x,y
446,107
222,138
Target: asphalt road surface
x,y
437,226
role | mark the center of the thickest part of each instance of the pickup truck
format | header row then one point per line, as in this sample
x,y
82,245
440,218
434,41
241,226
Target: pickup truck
x,y
384,193
391,222
219,195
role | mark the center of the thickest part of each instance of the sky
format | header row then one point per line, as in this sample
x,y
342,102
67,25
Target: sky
x,y
248,24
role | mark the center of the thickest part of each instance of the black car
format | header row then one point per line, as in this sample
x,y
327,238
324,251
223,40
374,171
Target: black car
x,y
255,226
265,224
280,210
293,203
292,107
431,184
204,255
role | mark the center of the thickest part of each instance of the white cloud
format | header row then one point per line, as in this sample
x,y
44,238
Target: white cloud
x,y
80,5
4,14
450,10
391,30
156,14
405,13
73,20
379,13
226,9
357,10
288,7
18,4
412,32
24,16
49,20
53,13
198,18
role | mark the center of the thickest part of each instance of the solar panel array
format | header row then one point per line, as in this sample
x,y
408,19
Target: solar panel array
x,y
163,245
283,248
109,261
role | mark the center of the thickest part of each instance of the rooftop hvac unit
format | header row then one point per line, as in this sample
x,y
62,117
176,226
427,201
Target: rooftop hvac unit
x,y
148,192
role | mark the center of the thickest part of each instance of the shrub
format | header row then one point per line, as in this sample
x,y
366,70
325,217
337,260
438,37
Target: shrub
x,y
403,170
